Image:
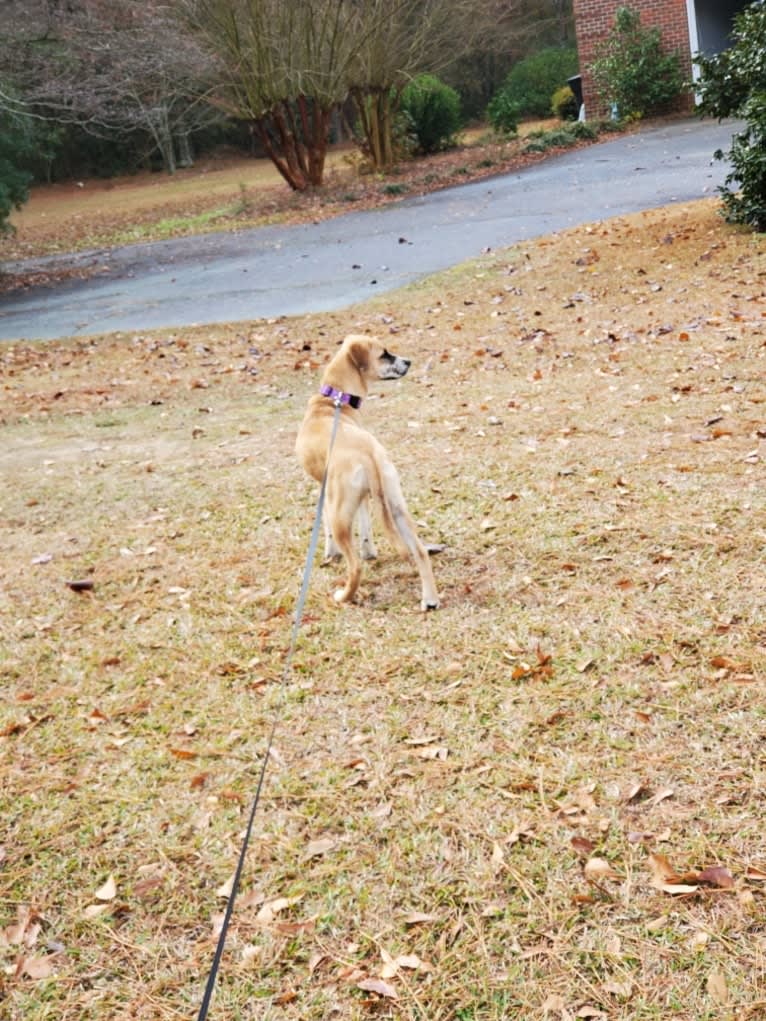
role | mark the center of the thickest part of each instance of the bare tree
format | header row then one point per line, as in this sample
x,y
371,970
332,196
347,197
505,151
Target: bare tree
x,y
395,40
110,68
282,66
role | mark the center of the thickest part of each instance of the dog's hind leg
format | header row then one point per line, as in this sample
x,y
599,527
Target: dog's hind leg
x,y
405,528
331,551
365,531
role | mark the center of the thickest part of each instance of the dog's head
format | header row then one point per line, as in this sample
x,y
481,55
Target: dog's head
x,y
361,360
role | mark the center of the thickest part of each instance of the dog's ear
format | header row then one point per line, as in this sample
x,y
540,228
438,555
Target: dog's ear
x,y
359,353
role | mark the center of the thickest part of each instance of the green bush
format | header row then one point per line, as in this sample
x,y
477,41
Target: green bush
x,y
733,84
632,72
564,105
532,81
433,110
503,113
560,138
15,141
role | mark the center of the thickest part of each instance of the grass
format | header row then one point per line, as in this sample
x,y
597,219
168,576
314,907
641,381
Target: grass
x,y
582,429
228,193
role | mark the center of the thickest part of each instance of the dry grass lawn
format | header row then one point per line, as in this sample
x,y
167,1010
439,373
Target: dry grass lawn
x,y
543,801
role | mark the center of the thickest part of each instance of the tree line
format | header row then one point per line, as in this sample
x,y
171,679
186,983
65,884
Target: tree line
x,y
154,78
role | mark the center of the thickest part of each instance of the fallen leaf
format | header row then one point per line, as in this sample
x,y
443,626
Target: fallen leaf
x,y
272,908
498,859
108,891
183,753
582,845
319,847
94,910
37,967
554,1003
413,963
226,888
716,875
662,795
716,987
434,752
665,877
377,985
419,918
596,869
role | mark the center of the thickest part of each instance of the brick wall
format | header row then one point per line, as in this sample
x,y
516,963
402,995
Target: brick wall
x,y
594,19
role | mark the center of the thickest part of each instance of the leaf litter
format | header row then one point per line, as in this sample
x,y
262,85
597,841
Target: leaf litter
x,y
523,752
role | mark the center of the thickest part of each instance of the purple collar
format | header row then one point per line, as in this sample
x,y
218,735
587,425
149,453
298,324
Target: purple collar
x,y
339,396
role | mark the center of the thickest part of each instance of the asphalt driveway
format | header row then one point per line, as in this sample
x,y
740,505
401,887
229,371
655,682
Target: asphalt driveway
x,y
289,270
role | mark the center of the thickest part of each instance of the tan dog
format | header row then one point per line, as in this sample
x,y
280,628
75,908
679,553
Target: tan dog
x,y
359,466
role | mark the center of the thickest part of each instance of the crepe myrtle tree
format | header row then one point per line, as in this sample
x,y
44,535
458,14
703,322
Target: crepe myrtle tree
x,y
283,68
397,40
733,84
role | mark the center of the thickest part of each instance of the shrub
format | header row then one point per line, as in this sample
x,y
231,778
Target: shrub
x,y
503,113
564,104
632,71
733,84
15,141
433,109
532,81
560,138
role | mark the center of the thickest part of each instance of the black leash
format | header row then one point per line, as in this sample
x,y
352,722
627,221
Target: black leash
x,y
210,987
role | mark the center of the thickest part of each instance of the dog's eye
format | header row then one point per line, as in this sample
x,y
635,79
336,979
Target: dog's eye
x,y
386,356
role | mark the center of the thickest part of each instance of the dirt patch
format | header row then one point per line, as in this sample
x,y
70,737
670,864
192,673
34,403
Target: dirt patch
x,y
540,801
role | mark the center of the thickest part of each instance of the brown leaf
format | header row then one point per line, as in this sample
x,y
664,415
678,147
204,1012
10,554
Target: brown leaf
x,y
582,845
319,847
420,918
377,985
596,869
433,752
716,875
661,796
554,1003
37,967
661,869
271,908
716,986
183,753
665,877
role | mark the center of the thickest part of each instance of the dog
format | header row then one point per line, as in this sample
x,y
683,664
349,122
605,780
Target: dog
x,y
359,467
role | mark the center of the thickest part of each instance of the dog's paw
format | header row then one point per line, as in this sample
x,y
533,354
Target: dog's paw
x,y
425,606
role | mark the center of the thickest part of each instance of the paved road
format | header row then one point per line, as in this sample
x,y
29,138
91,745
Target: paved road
x,y
315,267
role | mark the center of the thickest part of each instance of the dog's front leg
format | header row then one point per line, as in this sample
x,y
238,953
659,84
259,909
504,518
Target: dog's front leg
x,y
367,546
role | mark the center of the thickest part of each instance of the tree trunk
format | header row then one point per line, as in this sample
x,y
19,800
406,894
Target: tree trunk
x,y
184,149
376,118
297,148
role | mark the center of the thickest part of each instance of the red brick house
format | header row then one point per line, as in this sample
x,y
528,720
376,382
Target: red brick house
x,y
690,26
